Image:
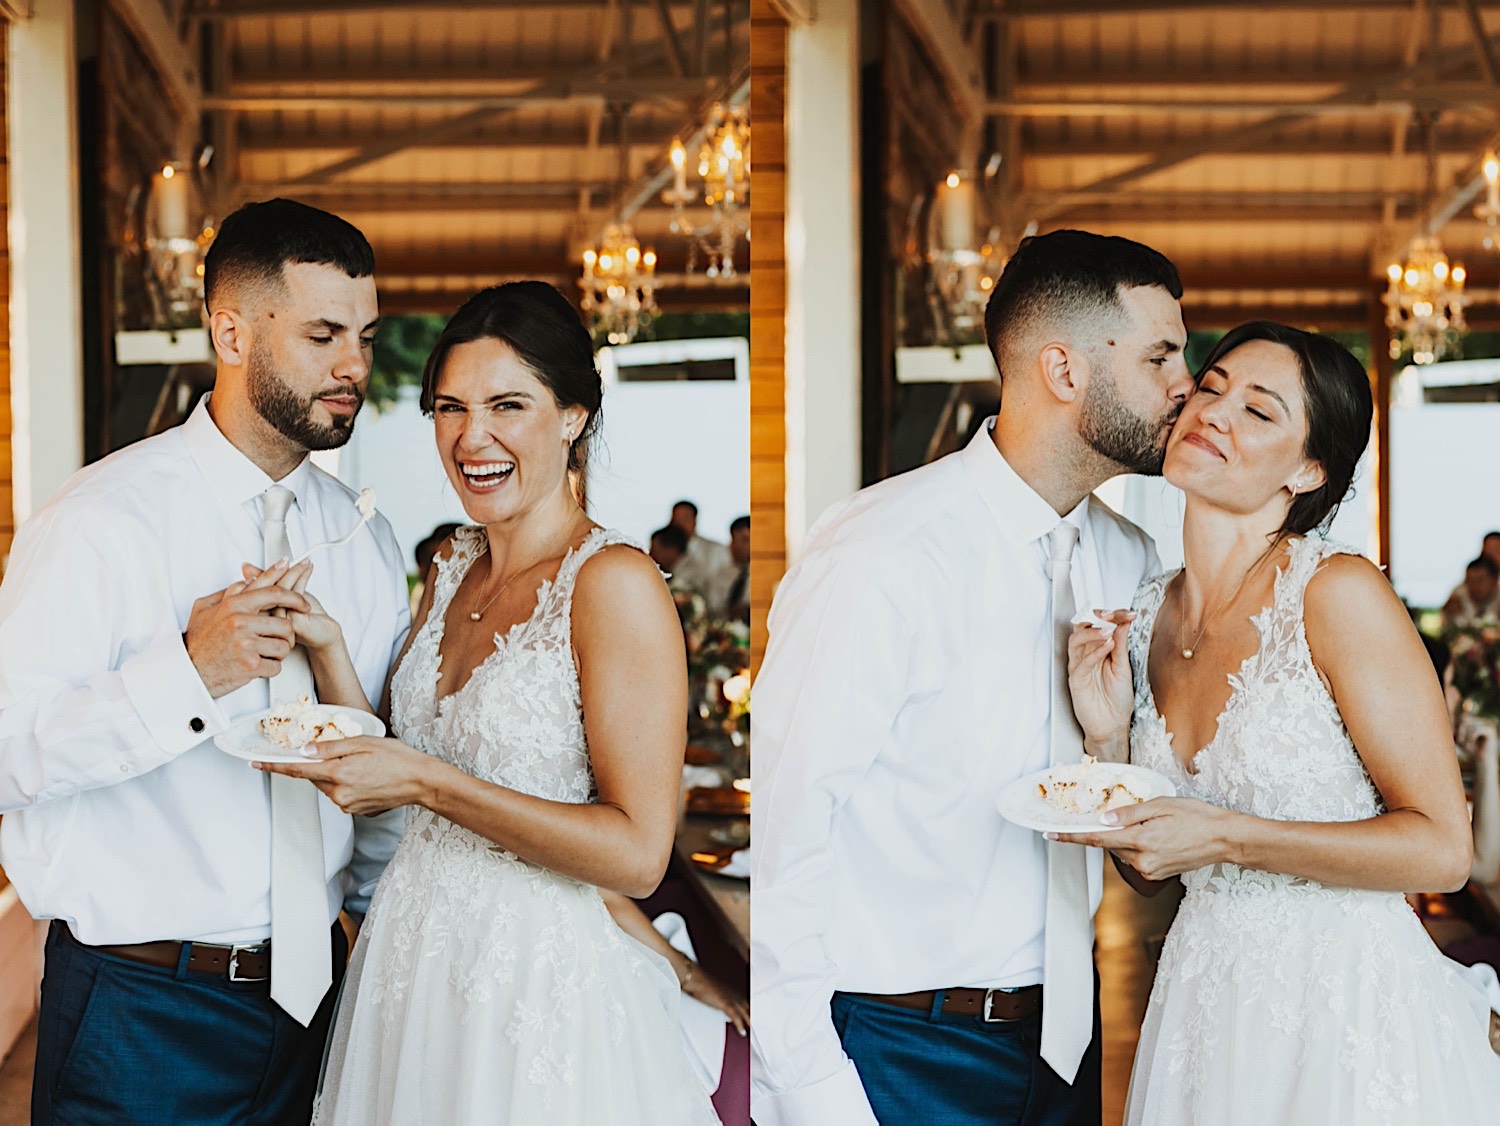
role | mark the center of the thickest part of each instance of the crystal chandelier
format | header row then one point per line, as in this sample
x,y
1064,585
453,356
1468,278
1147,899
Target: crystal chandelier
x,y
619,278
962,268
723,187
619,284
1424,303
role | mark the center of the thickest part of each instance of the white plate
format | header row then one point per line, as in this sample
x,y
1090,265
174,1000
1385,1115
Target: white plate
x,y
1021,804
244,740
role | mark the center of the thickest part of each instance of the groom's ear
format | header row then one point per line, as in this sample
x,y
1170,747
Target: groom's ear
x,y
227,330
1062,371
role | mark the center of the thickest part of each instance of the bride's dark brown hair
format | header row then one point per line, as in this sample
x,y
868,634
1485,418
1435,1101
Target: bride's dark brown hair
x,y
1336,395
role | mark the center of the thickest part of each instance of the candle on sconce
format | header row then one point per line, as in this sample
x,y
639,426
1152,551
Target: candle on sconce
x,y
679,167
955,203
170,205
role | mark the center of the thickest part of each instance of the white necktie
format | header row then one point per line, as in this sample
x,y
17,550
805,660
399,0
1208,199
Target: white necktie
x,y
1068,968
301,953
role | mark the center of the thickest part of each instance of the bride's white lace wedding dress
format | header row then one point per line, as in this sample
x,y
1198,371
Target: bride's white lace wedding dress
x,y
1280,1000
485,989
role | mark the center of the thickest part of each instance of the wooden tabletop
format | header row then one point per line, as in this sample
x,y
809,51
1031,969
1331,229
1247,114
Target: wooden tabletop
x,y
726,899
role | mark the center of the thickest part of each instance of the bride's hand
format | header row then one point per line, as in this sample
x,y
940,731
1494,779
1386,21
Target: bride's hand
x,y
1163,837
315,631
1100,683
365,774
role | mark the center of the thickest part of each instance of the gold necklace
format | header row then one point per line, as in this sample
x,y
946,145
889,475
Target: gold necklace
x,y
475,615
1189,650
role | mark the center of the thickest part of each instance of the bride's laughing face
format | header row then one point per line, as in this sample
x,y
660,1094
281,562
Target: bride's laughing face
x,y
502,437
1241,439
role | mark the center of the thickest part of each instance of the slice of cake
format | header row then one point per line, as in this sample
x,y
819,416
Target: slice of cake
x,y
1085,787
297,724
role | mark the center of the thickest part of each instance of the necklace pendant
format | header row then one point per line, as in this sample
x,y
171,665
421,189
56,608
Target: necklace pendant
x,y
1187,654
475,615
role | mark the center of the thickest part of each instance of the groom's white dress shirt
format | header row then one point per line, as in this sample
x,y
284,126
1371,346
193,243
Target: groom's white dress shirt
x,y
121,817
907,680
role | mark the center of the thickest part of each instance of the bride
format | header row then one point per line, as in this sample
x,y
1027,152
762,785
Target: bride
x,y
538,720
1279,683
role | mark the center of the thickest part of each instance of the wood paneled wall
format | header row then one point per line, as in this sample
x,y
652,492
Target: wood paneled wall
x,y
768,58
7,500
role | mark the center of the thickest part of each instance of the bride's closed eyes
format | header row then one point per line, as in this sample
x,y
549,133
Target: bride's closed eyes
x,y
1251,408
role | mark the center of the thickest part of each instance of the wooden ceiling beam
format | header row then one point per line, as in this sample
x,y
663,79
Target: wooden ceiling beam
x,y
541,93
1371,144
492,142
1385,99
1051,9
259,9
1254,133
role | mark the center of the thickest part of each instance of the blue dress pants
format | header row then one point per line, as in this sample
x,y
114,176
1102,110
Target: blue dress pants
x,y
936,1069
125,1044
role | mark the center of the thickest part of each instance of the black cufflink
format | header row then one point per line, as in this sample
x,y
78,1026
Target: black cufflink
x,y
196,724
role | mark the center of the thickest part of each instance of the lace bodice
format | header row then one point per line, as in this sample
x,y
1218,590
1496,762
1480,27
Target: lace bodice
x,y
1281,750
518,720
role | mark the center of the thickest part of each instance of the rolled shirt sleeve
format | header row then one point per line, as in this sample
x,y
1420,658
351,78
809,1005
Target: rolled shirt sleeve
x,y
833,683
96,686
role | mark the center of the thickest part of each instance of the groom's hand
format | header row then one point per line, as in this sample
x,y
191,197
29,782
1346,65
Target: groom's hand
x,y
233,637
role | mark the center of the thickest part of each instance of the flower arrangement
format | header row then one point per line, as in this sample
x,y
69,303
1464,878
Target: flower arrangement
x,y
718,654
1476,667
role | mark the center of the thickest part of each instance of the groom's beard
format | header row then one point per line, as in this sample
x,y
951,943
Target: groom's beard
x,y
1135,444
289,412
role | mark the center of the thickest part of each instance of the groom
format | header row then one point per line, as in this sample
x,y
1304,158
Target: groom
x,y
173,992
918,959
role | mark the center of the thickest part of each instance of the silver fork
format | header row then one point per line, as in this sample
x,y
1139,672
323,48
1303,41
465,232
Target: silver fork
x,y
366,505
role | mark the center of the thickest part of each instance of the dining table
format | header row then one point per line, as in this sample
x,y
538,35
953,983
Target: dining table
x,y
724,899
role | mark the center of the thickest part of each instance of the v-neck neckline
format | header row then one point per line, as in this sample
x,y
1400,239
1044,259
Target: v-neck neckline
x,y
502,642
1236,679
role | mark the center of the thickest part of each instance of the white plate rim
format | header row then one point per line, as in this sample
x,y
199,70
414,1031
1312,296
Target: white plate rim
x,y
1015,795
248,727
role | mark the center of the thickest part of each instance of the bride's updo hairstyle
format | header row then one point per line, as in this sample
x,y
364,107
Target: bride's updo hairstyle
x,y
545,332
1336,395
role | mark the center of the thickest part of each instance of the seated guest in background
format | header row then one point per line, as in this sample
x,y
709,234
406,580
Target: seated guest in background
x,y
1478,741
1490,548
668,549
424,553
737,601
1478,597
703,559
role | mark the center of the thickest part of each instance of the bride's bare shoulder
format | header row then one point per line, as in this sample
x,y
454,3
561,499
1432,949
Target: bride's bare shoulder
x,y
616,572
1350,603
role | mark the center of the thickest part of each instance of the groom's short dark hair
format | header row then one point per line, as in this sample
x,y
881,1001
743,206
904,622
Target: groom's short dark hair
x,y
256,243
1069,276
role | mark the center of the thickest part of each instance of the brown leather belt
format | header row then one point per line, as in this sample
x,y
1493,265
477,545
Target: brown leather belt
x,y
990,1005
249,962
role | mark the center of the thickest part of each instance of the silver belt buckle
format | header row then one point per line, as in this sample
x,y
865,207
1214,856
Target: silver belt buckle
x,y
989,995
234,962
985,1012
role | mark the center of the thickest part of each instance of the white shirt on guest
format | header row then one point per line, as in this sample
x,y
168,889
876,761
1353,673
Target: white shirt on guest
x,y
121,816
907,680
701,568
